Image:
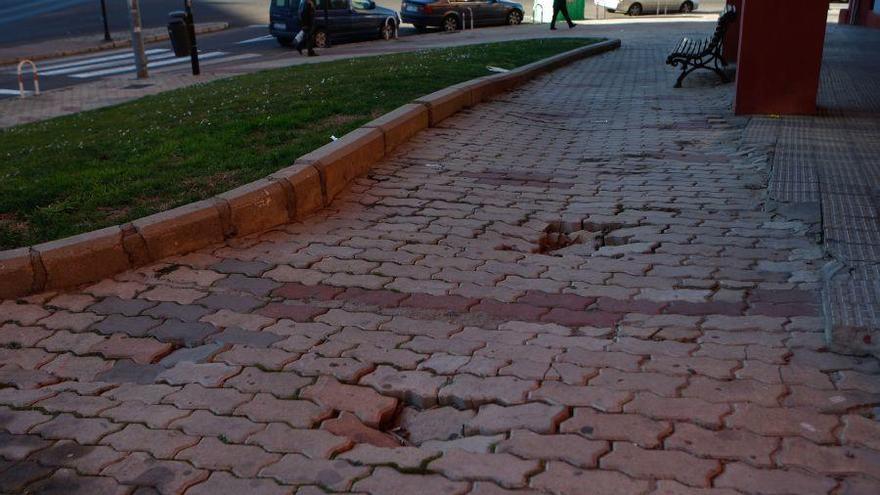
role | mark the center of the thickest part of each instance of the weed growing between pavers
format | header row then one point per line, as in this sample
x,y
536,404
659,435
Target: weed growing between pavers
x,y
95,169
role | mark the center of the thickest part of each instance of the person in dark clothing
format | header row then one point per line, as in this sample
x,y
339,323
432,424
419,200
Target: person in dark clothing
x,y
560,6
307,24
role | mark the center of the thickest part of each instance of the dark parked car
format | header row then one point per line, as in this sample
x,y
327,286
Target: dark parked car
x,y
451,15
336,21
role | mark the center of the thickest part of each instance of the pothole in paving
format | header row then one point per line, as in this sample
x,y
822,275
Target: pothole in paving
x,y
583,238
561,235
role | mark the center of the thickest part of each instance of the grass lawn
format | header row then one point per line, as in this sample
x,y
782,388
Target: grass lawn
x,y
95,169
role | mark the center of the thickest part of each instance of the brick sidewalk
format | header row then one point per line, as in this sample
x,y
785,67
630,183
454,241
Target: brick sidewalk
x,y
664,338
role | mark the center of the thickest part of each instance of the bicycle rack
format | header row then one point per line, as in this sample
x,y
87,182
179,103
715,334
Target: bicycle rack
x,y
21,78
536,7
393,25
464,19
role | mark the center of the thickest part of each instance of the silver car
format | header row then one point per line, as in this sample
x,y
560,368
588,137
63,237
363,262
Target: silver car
x,y
639,7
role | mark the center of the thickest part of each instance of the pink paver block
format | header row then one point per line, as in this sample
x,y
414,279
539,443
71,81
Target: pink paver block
x,y
563,479
363,402
506,470
385,480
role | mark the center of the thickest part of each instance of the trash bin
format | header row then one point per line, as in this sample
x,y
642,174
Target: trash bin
x,y
575,9
178,32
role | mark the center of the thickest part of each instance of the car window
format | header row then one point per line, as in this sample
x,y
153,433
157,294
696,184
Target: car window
x,y
338,4
360,4
280,3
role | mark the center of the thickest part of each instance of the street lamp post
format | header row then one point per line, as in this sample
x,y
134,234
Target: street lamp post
x,y
104,17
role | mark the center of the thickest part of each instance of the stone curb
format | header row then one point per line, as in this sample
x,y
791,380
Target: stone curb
x,y
287,195
204,28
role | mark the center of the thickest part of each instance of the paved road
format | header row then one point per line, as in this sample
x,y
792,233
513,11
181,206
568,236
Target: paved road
x,y
226,47
248,41
667,342
37,20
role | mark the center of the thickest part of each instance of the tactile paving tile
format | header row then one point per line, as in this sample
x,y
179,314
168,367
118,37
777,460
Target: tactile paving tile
x,y
834,158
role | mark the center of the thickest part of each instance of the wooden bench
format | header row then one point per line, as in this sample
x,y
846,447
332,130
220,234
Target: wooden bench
x,y
703,54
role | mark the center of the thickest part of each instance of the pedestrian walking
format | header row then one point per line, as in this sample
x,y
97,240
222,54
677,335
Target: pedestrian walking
x,y
307,24
560,6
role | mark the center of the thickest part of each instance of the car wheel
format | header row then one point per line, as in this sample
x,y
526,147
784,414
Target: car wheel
x,y
284,41
635,9
514,18
450,23
321,40
387,31
686,8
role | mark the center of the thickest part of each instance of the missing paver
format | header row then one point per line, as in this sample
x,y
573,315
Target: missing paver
x,y
167,270
560,235
584,238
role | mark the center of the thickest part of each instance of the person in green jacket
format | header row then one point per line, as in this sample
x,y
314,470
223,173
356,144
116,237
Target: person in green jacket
x,y
560,6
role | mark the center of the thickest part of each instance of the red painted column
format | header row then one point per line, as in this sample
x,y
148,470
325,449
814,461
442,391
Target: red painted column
x,y
869,14
865,13
731,38
780,56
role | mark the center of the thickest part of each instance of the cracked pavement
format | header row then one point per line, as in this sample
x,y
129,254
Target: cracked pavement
x,y
574,288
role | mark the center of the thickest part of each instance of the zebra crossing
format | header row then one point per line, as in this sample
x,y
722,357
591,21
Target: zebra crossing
x,y
122,62
84,68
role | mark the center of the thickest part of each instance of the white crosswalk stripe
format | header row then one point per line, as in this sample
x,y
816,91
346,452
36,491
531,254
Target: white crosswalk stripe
x,y
121,62
150,65
76,68
96,60
255,40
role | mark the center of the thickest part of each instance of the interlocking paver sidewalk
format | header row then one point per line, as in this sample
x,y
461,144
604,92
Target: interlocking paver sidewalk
x,y
575,288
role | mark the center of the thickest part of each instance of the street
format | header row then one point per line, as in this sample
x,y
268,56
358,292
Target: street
x,y
225,47
39,20
246,40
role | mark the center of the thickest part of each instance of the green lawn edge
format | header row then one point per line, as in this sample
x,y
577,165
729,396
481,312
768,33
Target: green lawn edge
x,y
109,166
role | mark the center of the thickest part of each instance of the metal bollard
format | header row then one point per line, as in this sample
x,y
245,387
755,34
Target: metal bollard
x,y
21,78
464,21
535,7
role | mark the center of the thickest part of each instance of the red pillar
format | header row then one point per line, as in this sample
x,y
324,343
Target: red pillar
x,y
780,56
731,38
867,14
